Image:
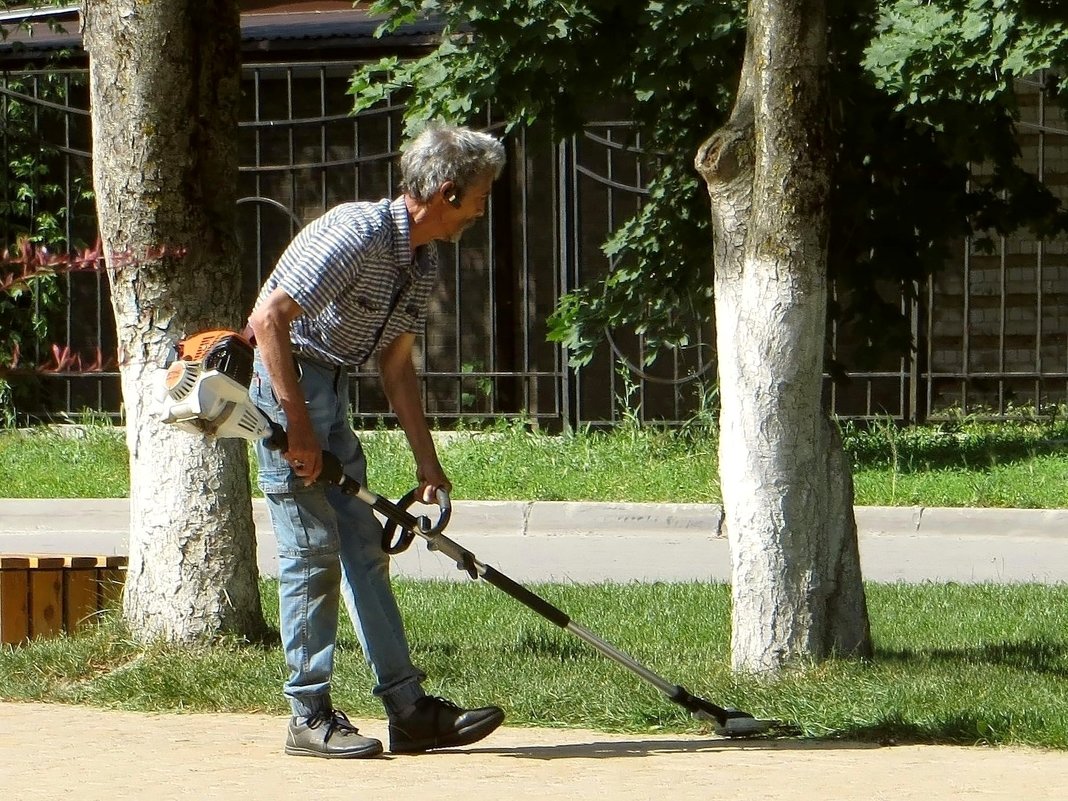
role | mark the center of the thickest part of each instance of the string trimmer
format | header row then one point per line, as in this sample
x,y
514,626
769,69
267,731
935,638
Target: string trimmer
x,y
206,390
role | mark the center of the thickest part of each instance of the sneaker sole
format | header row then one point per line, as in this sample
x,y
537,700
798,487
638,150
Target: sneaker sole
x,y
466,736
369,751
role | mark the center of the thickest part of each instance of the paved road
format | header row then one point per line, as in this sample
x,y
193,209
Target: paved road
x,y
580,542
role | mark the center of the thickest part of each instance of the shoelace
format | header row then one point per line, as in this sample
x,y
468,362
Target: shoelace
x,y
335,720
445,702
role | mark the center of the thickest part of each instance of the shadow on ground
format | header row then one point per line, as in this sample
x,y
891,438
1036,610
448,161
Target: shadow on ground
x,y
1038,656
616,749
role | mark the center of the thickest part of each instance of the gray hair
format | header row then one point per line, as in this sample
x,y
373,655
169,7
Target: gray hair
x,y
448,153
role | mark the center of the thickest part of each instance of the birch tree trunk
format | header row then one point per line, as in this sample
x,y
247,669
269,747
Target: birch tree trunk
x,y
164,91
797,589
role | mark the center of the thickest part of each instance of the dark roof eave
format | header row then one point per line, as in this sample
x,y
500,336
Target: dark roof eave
x,y
282,34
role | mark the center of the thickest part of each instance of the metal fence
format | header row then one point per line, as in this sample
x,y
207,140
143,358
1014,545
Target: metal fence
x,y
992,331
994,328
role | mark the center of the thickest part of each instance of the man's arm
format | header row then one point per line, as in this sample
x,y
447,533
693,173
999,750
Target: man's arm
x,y
402,389
270,323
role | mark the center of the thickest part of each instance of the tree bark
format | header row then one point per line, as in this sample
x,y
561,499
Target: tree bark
x,y
797,589
164,92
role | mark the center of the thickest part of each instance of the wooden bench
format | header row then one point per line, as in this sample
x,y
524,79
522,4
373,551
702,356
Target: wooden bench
x,y
44,595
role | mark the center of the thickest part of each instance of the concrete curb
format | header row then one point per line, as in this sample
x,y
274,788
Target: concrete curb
x,y
556,518
553,518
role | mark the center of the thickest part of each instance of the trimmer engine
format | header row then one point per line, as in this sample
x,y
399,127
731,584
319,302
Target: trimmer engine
x,y
205,388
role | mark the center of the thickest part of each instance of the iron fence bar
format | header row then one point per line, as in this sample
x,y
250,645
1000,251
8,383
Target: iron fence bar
x,y
312,165
297,122
71,151
68,232
1040,245
614,184
1002,319
874,374
322,139
457,321
356,155
910,367
5,106
290,135
29,71
261,273
609,183
610,143
524,262
833,388
33,205
966,318
929,404
486,373
564,199
40,102
643,394
994,375
491,258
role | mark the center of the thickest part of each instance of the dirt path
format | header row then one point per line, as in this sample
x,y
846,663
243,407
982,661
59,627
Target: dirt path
x,y
85,754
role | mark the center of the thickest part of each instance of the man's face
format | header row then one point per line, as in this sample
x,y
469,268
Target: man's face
x,y
472,206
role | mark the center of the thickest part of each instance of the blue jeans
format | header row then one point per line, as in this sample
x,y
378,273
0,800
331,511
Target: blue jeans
x,y
329,547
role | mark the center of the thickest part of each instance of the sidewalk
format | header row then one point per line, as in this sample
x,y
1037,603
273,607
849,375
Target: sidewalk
x,y
84,754
619,542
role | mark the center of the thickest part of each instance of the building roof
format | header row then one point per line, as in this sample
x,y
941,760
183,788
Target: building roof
x,y
267,29
329,29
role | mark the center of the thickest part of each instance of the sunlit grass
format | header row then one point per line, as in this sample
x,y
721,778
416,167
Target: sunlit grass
x,y
1022,464
953,664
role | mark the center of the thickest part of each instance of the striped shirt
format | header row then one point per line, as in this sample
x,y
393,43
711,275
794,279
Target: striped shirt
x,y
353,275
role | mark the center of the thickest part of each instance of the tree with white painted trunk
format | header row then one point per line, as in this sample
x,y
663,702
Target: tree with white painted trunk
x,y
787,487
922,93
164,84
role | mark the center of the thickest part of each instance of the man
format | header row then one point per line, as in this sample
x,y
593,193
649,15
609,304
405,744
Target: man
x,y
353,285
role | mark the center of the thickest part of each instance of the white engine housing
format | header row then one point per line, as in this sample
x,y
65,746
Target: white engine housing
x,y
209,402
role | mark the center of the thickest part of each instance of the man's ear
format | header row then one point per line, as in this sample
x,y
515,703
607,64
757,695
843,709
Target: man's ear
x,y
451,194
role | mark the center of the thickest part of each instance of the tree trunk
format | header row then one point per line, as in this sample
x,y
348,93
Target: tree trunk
x,y
787,488
164,84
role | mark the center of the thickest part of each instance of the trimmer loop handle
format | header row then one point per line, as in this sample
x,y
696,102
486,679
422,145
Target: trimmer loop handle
x,y
406,535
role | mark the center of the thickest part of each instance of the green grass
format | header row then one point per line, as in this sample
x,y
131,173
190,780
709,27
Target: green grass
x,y
1022,464
956,664
953,664
83,462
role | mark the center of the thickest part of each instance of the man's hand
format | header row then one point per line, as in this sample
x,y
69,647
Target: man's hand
x,y
431,478
305,454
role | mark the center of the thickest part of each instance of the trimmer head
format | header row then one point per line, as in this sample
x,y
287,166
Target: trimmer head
x,y
728,721
742,724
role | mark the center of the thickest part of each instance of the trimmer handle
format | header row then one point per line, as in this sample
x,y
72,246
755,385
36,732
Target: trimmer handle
x,y
277,440
406,535
396,513
331,472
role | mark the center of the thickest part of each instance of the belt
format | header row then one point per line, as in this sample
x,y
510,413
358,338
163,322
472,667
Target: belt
x,y
336,369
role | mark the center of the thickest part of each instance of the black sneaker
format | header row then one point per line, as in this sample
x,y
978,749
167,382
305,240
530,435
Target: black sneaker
x,y
433,722
329,734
